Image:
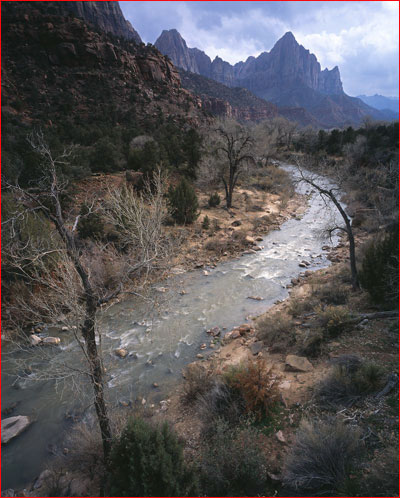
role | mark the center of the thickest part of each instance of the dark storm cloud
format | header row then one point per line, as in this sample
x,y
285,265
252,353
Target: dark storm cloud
x,y
360,37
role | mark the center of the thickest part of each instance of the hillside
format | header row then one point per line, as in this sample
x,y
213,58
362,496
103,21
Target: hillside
x,y
83,86
220,99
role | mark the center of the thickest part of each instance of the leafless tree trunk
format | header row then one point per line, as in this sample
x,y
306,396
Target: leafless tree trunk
x,y
235,144
140,226
331,193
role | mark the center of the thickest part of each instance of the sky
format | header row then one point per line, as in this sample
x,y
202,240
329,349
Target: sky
x,y
362,38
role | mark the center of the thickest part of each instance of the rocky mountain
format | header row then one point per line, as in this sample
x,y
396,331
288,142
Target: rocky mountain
x,y
107,16
85,86
288,76
232,102
381,102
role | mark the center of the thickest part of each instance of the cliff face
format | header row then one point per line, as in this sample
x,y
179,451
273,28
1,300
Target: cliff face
x,y
56,67
288,76
106,16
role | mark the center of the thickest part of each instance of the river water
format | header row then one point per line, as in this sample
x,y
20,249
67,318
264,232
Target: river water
x,y
160,343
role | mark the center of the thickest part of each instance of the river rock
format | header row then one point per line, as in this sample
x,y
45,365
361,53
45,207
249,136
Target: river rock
x,y
236,223
121,352
215,331
256,347
230,336
298,363
51,340
256,298
13,426
250,240
41,479
35,340
243,329
257,248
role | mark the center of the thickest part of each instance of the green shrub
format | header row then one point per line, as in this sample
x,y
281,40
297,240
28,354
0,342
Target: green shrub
x,y
333,320
379,270
322,457
183,203
214,200
206,223
90,224
233,463
148,461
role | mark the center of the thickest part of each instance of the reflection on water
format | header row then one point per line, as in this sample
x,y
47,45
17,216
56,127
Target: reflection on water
x,y
161,344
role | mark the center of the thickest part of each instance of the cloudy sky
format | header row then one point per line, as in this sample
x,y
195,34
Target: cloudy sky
x,y
359,37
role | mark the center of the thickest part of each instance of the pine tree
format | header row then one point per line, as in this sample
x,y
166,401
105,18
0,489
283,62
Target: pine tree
x,y
183,203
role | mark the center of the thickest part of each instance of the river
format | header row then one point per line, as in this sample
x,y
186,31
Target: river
x,y
160,344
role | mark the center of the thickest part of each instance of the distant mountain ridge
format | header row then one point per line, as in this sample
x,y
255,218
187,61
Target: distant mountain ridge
x,y
287,76
381,102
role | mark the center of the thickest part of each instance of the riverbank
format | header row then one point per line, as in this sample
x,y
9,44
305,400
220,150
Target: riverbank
x,y
295,387
299,362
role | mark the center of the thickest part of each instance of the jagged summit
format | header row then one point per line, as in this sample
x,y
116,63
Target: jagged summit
x,y
288,76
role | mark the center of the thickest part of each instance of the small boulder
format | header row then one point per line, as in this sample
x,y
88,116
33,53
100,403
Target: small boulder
x,y
256,347
13,426
249,240
46,474
298,363
215,331
236,223
256,298
35,340
54,341
121,352
280,437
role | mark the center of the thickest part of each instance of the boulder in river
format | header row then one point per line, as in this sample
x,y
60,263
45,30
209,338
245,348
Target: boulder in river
x,y
52,340
13,426
35,340
121,352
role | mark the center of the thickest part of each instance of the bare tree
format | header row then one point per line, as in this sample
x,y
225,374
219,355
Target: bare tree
x,y
73,280
234,146
331,193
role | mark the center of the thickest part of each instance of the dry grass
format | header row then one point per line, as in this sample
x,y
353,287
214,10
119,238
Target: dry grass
x,y
277,331
321,457
349,380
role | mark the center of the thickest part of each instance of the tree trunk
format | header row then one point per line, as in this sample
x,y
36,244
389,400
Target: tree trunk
x,y
349,231
96,376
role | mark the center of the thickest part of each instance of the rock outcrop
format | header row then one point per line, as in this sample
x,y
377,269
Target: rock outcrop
x,y
11,427
106,16
288,76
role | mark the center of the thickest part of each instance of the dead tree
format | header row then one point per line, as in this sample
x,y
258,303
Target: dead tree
x,y
74,283
235,146
331,193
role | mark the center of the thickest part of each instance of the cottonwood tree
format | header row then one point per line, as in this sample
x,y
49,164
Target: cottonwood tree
x,y
234,150
70,277
330,192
